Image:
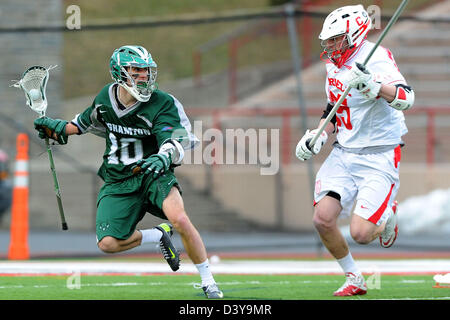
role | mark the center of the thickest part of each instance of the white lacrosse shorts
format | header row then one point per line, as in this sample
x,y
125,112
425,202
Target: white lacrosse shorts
x,y
371,179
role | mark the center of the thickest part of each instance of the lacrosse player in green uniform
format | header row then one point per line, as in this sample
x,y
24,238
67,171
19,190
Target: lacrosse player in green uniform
x,y
146,132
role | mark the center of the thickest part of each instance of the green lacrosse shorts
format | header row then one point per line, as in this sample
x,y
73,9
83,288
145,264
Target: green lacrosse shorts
x,y
121,205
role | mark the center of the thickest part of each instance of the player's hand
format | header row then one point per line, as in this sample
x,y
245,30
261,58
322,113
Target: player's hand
x,y
362,80
155,165
51,128
303,151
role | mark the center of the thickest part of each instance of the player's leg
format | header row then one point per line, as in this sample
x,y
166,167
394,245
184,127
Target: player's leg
x,y
173,208
377,188
325,218
364,231
335,193
326,213
117,216
109,244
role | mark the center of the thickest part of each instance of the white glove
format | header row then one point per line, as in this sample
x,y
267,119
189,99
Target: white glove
x,y
362,80
303,151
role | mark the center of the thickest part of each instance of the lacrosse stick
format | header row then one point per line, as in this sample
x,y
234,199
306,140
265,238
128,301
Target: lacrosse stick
x,y
34,83
344,95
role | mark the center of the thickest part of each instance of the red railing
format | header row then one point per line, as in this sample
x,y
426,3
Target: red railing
x,y
307,31
286,114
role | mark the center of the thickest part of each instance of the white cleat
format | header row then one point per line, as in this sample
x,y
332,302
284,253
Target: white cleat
x,y
390,232
354,285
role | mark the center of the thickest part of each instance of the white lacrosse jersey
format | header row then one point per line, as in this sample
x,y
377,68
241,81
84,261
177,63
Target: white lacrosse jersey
x,y
361,122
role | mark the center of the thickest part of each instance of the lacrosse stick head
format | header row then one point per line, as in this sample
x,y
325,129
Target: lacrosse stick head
x,y
34,83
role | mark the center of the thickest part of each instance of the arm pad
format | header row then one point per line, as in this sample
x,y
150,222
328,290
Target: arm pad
x,y
173,150
404,97
326,112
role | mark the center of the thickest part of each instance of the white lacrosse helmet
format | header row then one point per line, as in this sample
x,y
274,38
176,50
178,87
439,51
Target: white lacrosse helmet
x,y
134,56
353,22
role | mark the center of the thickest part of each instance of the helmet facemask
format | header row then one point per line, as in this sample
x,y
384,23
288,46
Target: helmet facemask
x,y
141,89
337,49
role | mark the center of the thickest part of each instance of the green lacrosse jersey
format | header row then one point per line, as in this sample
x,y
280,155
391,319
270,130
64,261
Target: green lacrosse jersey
x,y
134,132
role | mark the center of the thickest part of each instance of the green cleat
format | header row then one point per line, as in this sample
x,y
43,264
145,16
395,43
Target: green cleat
x,y
170,253
212,291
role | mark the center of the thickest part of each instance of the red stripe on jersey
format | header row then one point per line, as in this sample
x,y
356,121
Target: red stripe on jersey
x,y
377,215
397,156
389,53
401,93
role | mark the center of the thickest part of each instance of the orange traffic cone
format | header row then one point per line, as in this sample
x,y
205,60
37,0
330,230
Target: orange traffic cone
x,y
18,247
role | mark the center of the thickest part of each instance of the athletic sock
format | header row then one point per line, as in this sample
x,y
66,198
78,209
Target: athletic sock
x,y
205,273
348,265
151,235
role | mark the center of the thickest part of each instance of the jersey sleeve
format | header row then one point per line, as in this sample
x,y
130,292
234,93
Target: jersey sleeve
x,y
172,123
90,121
383,66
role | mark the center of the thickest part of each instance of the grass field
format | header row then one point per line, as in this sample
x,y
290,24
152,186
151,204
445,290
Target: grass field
x,y
235,287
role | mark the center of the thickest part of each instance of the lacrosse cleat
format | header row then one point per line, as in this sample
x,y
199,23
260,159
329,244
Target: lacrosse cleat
x,y
212,291
354,285
390,232
170,253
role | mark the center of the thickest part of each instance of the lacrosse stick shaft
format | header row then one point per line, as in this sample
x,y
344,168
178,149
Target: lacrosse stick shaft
x,y
56,184
333,111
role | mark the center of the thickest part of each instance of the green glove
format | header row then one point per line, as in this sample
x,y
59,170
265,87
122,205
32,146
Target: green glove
x,y
156,164
47,127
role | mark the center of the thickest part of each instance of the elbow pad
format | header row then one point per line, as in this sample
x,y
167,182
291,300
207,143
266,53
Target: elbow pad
x,y
404,97
173,150
326,112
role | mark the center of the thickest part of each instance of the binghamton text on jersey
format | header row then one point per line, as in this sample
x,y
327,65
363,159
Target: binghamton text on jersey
x,y
135,132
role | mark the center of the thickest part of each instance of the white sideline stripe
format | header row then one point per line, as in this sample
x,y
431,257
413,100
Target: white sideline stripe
x,y
227,267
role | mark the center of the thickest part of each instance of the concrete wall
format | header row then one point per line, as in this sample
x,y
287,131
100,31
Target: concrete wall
x,y
278,201
23,50
286,200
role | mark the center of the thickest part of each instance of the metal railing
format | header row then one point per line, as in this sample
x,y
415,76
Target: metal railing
x,y
289,114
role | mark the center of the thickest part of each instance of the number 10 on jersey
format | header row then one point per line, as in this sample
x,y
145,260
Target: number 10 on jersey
x,y
124,150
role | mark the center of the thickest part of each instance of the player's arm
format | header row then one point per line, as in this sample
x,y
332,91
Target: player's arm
x,y
170,135
59,130
170,153
304,151
56,129
69,129
331,126
399,96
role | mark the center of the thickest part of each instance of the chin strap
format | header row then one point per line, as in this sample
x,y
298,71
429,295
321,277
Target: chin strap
x,y
404,97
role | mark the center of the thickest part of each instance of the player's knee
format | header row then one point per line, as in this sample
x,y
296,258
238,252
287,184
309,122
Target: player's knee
x,y
180,222
361,237
322,222
108,245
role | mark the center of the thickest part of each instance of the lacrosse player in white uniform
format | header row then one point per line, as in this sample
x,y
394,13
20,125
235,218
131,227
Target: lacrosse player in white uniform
x,y
362,170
